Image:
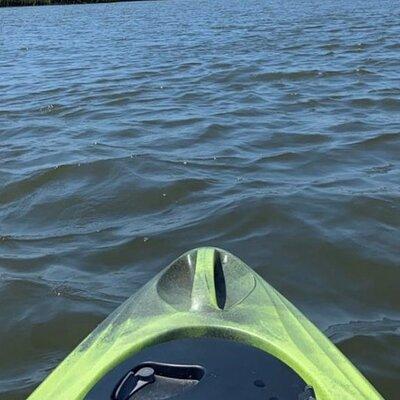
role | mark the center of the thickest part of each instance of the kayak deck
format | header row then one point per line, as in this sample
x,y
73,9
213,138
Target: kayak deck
x,y
208,292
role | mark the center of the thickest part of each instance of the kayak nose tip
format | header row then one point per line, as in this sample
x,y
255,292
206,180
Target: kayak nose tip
x,y
209,285
206,279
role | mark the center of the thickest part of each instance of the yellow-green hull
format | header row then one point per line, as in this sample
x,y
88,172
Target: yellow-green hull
x,y
184,300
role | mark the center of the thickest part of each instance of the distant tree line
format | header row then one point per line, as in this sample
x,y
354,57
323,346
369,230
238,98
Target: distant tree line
x,y
17,3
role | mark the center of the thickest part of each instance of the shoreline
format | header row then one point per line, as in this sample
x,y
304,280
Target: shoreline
x,y
30,3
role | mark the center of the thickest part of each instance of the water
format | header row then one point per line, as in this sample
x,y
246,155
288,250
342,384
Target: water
x,y
132,132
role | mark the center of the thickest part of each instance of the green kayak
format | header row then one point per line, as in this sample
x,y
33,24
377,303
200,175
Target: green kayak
x,y
206,327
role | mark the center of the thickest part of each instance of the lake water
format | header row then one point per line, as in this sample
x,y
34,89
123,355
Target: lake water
x,y
132,132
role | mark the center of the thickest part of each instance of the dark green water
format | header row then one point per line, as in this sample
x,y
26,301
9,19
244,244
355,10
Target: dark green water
x,y
132,132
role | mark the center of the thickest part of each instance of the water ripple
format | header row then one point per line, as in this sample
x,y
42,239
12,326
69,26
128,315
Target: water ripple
x,y
131,132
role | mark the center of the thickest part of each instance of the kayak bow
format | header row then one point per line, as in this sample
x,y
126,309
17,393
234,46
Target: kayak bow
x,y
206,293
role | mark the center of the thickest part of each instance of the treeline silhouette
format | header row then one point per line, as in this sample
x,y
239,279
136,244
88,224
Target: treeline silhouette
x,y
17,3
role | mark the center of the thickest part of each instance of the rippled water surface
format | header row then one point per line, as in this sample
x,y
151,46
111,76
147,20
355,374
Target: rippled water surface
x,y
132,132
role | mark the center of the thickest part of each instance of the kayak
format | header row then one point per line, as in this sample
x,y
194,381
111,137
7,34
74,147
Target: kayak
x,y
206,327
